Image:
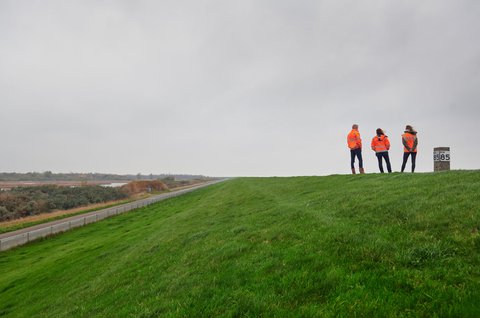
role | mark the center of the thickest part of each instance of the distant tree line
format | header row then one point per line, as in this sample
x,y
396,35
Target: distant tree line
x,y
24,201
49,176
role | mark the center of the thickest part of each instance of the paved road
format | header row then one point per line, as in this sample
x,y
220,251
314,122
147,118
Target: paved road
x,y
22,236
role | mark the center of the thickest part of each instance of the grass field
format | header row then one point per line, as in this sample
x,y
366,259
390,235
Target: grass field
x,y
365,245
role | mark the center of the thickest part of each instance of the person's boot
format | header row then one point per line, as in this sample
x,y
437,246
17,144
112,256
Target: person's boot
x,y
362,171
353,171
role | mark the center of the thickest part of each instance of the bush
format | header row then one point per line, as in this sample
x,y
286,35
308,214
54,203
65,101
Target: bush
x,y
24,201
5,214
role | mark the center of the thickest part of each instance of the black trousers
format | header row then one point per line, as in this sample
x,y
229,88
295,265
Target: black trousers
x,y
384,155
405,158
356,153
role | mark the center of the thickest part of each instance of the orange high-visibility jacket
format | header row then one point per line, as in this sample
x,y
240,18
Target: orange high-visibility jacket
x,y
380,144
353,140
409,140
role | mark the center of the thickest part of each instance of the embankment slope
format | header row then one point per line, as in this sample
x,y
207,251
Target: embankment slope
x,y
381,245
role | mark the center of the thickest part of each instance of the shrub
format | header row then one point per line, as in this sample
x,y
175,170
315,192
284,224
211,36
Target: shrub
x,y
24,201
5,214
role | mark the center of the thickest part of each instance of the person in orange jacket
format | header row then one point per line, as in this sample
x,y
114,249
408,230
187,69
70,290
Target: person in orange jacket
x,y
354,142
381,145
410,142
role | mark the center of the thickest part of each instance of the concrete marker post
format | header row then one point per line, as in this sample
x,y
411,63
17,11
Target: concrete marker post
x,y
441,159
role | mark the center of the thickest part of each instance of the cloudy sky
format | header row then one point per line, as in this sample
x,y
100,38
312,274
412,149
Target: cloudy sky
x,y
229,88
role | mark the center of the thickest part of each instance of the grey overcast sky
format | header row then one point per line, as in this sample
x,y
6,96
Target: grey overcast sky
x,y
231,88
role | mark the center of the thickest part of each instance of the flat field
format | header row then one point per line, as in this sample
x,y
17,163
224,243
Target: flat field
x,y
364,245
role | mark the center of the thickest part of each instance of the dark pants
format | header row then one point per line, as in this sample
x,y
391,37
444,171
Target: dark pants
x,y
405,158
358,153
384,155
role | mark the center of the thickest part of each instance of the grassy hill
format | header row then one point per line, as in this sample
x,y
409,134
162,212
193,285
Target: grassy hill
x,y
370,245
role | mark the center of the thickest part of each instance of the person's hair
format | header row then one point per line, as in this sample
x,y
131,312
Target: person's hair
x,y
409,128
380,132
354,126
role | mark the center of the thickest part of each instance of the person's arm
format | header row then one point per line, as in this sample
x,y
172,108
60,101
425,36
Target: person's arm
x,y
387,143
405,144
373,144
359,141
415,143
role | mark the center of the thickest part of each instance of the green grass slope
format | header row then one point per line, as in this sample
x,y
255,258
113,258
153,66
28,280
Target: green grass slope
x,y
364,245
